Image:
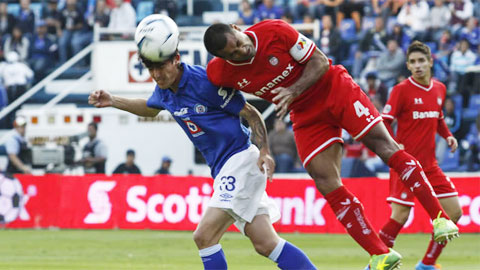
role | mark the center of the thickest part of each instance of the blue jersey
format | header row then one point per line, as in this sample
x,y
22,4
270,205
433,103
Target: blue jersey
x,y
209,115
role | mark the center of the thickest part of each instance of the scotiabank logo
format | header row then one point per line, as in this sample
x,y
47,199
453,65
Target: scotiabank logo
x,y
99,202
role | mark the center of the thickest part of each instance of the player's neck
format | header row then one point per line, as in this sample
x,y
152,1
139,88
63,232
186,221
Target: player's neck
x,y
174,86
425,80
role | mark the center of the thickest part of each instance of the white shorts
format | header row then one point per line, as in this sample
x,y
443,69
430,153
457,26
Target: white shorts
x,y
239,189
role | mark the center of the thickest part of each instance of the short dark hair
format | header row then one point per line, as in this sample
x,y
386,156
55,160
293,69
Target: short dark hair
x,y
420,47
151,64
130,152
214,38
94,125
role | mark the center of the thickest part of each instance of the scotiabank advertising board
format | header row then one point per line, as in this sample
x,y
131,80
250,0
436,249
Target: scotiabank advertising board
x,y
177,203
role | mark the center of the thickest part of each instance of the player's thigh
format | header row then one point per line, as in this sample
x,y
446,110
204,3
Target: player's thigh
x,y
262,234
212,226
324,168
451,205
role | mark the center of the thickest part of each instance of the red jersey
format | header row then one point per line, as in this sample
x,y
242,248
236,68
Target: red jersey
x,y
281,53
418,110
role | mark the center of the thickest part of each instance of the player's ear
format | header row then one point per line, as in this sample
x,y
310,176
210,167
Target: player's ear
x,y
234,26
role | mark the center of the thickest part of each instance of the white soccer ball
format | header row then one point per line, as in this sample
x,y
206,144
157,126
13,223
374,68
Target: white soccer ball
x,y
10,199
157,37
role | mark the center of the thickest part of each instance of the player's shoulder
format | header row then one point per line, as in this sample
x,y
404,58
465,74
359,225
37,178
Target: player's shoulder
x,y
403,85
439,85
216,69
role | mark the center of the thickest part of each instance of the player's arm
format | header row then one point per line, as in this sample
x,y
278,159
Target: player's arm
x,y
259,138
315,68
18,163
137,106
443,131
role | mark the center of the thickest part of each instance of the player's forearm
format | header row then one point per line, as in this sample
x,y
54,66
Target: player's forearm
x,y
442,129
315,68
137,106
257,125
16,162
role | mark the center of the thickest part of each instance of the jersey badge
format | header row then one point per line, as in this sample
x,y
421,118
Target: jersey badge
x,y
418,101
439,101
273,60
194,129
199,108
243,83
301,44
387,108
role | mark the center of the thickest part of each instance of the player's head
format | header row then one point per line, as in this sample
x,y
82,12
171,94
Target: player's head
x,y
228,42
166,73
419,60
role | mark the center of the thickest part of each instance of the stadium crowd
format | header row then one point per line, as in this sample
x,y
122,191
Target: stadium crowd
x,y
369,38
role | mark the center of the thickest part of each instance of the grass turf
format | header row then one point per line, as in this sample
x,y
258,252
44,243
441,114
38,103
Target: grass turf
x,y
143,249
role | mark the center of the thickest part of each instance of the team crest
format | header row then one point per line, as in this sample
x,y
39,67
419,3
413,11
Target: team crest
x,y
387,108
199,108
273,60
439,101
301,44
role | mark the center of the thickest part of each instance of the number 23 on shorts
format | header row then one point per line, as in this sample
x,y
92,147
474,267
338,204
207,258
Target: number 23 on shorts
x,y
227,183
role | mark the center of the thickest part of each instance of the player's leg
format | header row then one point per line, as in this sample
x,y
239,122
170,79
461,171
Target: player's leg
x,y
211,228
324,168
269,244
454,210
410,171
398,218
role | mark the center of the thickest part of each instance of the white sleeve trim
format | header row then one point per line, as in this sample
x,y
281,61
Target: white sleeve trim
x,y
302,49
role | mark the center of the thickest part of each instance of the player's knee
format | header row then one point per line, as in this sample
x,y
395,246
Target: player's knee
x,y
264,248
455,215
201,240
401,216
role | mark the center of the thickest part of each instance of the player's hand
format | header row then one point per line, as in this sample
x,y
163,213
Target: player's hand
x,y
452,143
284,97
100,99
266,165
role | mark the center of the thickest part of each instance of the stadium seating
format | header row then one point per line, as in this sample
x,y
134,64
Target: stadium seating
x,y
451,161
347,29
144,8
472,111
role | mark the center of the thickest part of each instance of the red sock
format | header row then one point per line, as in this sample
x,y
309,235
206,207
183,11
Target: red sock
x,y
433,252
349,212
412,175
389,232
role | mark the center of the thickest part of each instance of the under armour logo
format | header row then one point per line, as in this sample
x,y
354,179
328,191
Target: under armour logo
x,y
346,202
243,83
418,100
416,185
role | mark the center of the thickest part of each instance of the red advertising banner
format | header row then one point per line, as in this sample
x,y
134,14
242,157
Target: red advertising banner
x,y
177,203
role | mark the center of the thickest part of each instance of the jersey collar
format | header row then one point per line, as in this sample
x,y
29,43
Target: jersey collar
x,y
420,85
250,34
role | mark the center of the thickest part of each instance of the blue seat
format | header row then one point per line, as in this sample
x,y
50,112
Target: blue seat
x,y
472,111
13,9
368,23
451,161
144,8
432,45
37,9
458,101
347,30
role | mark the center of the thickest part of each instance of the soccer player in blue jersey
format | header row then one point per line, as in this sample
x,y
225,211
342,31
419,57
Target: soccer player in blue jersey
x,y
210,116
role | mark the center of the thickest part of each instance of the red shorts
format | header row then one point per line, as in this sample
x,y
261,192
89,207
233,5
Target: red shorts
x,y
441,184
333,103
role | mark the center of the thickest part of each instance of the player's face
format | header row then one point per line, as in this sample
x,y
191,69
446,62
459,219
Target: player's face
x,y
239,47
165,74
419,65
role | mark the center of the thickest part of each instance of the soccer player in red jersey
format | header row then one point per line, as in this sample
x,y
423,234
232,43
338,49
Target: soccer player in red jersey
x,y
275,62
417,104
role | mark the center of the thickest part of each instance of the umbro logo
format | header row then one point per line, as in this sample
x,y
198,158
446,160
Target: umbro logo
x,y
243,83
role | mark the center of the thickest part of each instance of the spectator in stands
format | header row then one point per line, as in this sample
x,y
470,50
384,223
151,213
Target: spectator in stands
x,y
94,152
26,18
129,166
283,147
390,63
100,15
330,7
376,90
245,13
403,40
386,8
267,10
7,21
52,17
287,17
461,58
330,41
18,43
314,8
72,23
438,20
16,77
453,119
168,7
473,152
372,43
19,155
414,14
42,52
471,32
461,10
307,32
165,166
123,16
351,9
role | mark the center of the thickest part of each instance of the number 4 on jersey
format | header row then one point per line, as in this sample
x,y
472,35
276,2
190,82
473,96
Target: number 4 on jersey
x,y
361,110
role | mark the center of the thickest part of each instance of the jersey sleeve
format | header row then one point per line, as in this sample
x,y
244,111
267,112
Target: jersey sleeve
x,y
154,101
300,47
214,71
393,106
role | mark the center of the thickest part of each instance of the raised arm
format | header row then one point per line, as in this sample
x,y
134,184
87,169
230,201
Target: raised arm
x,y
137,106
259,137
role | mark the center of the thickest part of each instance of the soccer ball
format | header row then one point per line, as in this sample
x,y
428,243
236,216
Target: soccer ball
x,y
10,199
157,37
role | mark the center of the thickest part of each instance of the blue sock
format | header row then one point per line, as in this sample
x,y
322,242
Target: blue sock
x,y
288,256
213,258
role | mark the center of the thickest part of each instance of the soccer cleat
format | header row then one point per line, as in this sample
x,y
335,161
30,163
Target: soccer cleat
x,y
387,261
421,266
444,229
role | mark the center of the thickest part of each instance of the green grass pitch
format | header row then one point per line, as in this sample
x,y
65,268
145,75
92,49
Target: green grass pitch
x,y
144,249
